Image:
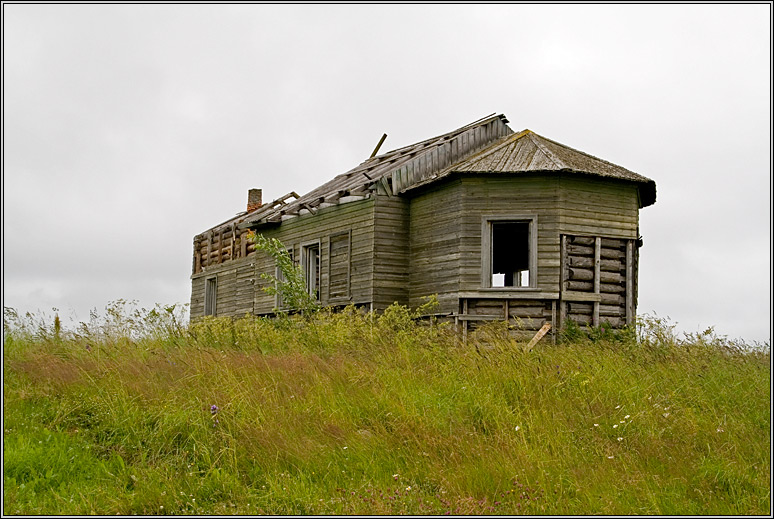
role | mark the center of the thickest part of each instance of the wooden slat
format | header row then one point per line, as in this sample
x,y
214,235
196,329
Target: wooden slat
x,y
597,281
629,282
580,296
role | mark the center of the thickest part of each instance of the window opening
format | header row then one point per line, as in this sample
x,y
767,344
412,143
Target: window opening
x,y
210,295
311,258
510,254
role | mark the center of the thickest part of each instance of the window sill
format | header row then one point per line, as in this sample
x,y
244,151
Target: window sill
x,y
509,293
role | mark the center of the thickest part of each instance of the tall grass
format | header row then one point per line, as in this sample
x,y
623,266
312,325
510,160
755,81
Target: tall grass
x,y
351,413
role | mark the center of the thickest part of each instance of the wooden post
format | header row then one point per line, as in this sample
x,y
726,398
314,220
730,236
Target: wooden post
x,y
597,256
465,321
629,282
553,322
563,278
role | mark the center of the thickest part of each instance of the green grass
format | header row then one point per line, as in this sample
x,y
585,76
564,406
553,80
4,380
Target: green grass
x,y
353,414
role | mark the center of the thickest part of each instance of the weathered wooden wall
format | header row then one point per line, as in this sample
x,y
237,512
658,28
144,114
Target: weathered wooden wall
x,y
435,233
391,251
243,290
386,248
502,196
598,280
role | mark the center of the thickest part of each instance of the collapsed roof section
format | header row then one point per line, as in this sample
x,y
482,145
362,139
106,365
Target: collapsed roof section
x,y
484,146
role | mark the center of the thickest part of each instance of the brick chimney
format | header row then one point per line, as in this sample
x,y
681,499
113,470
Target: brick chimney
x,y
254,199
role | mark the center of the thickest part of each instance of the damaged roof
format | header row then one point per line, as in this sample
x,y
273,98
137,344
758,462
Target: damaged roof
x,y
484,146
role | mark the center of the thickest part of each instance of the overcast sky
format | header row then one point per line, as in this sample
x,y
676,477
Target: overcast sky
x,y
128,129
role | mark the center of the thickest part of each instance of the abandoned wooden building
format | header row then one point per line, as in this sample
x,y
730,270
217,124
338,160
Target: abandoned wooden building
x,y
499,225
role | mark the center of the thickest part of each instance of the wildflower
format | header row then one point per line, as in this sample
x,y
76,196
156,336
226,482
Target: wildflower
x,y
615,425
345,447
720,429
666,415
609,457
408,488
618,407
214,409
626,417
620,439
517,428
622,421
596,425
395,477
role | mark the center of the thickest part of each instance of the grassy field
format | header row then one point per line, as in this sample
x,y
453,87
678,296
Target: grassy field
x,y
136,413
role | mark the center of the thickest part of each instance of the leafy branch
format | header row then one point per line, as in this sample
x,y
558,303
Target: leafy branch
x,y
290,286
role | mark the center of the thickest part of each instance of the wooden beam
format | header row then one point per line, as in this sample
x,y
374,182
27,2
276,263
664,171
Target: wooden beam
x,y
565,275
629,282
539,335
597,258
379,145
581,296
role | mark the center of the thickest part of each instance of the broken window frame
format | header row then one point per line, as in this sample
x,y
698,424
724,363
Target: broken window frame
x,y
313,289
487,253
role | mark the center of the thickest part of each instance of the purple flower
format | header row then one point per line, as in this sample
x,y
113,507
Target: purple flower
x,y
214,409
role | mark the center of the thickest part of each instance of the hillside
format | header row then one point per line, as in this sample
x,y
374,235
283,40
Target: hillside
x,y
136,413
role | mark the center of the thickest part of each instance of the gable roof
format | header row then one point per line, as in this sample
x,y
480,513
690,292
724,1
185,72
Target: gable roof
x,y
487,145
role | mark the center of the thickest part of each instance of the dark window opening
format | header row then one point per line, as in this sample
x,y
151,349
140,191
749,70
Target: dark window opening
x,y
510,254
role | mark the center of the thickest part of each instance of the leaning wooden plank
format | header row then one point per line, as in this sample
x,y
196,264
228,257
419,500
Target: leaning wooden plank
x,y
539,335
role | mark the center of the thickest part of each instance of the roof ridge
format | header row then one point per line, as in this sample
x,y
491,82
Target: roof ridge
x,y
492,148
548,153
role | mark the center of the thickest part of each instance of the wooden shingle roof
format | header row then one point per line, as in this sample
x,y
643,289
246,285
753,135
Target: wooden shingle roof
x,y
484,146
528,152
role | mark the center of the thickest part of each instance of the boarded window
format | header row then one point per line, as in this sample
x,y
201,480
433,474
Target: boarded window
x,y
210,295
338,265
310,257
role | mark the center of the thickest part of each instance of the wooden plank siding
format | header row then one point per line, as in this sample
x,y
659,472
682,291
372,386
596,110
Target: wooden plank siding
x,y
393,248
238,293
391,251
505,196
434,233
